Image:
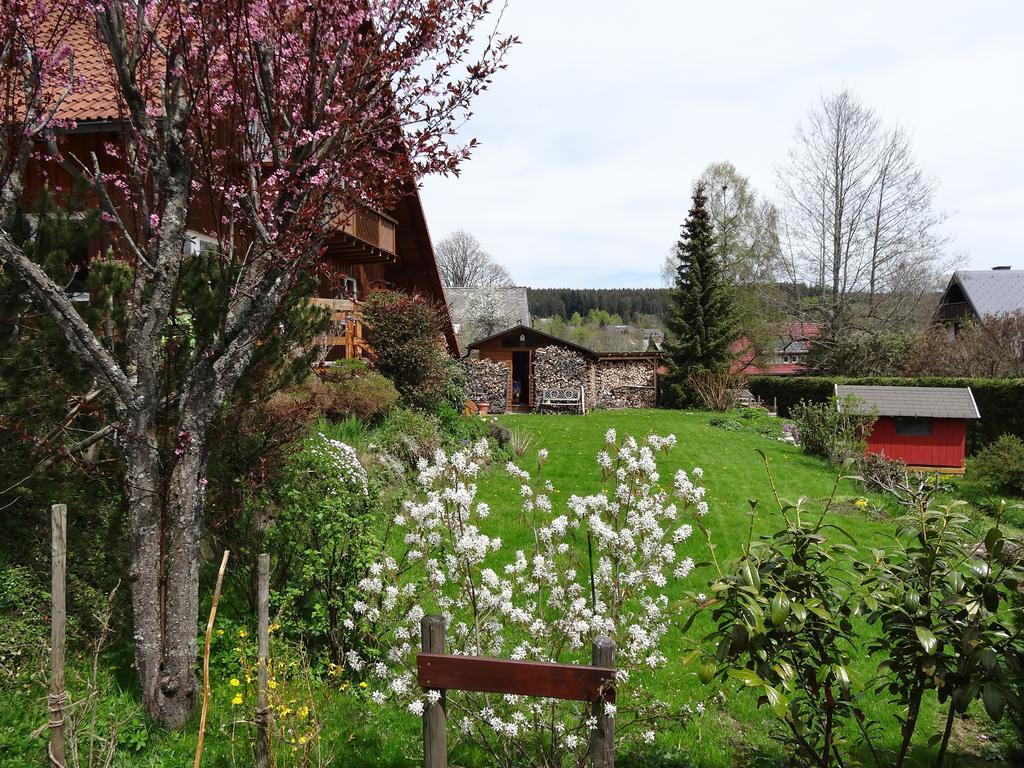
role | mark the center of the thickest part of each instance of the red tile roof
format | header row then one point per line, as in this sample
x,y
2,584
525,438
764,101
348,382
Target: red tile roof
x,y
94,97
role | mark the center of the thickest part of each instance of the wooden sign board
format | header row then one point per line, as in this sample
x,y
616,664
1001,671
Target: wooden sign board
x,y
521,678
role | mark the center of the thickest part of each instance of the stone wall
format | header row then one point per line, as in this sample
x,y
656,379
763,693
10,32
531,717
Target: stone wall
x,y
487,382
555,366
624,384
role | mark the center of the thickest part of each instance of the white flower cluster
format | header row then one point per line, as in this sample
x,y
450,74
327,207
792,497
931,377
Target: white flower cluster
x,y
342,457
599,565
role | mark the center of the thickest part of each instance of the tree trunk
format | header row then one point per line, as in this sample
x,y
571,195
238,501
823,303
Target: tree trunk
x,y
164,569
143,478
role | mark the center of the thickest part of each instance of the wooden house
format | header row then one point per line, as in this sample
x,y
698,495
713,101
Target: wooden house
x,y
972,295
372,250
513,370
924,427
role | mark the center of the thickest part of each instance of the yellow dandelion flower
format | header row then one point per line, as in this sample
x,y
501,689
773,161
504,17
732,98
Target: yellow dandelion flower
x,y
303,739
363,684
237,699
234,682
242,633
861,502
272,684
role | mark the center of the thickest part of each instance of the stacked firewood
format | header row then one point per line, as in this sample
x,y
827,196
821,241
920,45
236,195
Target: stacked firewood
x,y
487,382
625,384
558,367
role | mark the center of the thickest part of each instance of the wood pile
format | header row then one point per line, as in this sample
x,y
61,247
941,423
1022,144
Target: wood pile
x,y
487,382
555,366
625,384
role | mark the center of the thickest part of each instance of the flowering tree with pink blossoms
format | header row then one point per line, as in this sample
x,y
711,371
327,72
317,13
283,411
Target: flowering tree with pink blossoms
x,y
599,565
274,117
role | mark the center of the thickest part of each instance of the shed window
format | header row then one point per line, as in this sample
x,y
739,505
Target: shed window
x,y
913,425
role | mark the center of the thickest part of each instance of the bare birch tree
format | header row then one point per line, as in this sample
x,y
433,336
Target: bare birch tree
x,y
859,222
464,263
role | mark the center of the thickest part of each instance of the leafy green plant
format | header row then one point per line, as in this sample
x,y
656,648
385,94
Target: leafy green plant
x,y
351,388
406,436
321,541
1000,465
783,628
949,615
835,429
404,332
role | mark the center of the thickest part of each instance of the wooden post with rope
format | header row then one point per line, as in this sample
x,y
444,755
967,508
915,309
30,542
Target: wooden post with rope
x,y
58,615
264,714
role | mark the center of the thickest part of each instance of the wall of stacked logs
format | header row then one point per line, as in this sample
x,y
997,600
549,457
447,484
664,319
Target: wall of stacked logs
x,y
555,366
487,381
624,384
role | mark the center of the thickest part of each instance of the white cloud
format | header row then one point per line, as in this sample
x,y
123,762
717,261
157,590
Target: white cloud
x,y
608,111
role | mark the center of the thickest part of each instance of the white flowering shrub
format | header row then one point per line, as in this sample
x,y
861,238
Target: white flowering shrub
x,y
598,564
321,537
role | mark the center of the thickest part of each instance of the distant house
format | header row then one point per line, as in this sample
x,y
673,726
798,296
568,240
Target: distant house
x,y
974,294
512,369
787,358
925,427
479,312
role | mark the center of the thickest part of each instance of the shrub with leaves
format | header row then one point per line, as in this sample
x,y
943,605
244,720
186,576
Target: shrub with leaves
x,y
1001,465
949,615
783,628
320,536
600,565
406,333
835,429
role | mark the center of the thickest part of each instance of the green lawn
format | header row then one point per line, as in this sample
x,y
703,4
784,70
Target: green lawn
x,y
734,474
358,734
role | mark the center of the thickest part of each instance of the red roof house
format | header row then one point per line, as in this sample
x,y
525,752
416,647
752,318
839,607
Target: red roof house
x,y
924,427
786,358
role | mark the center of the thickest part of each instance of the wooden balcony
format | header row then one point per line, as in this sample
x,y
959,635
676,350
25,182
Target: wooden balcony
x,y
953,311
344,336
364,237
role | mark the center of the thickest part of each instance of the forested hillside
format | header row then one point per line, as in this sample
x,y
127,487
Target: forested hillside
x,y
627,303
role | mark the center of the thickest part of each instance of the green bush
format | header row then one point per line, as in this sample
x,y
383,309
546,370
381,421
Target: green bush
x,y
321,540
405,333
23,609
998,399
834,429
1001,465
352,389
406,436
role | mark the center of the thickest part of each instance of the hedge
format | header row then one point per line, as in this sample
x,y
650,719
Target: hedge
x,y
1000,401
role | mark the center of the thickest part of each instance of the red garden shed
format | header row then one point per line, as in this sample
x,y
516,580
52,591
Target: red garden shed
x,y
926,427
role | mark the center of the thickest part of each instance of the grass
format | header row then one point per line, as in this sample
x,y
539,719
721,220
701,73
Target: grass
x,y
732,732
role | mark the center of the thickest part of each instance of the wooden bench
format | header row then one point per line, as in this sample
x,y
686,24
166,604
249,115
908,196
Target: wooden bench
x,y
556,398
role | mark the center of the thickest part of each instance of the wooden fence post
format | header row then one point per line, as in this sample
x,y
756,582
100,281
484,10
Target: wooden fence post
x,y
435,735
58,616
602,744
264,715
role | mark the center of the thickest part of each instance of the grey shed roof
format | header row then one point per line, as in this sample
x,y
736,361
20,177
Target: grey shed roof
x,y
937,402
512,304
991,291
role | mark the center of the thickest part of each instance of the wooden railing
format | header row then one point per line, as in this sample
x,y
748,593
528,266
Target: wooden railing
x,y
344,336
372,228
954,311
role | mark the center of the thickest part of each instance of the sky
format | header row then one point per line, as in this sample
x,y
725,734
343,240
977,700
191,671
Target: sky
x,y
608,111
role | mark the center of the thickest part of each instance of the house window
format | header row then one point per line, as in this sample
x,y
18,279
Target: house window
x,y
197,243
913,425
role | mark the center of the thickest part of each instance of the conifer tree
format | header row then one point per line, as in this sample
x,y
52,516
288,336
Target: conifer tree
x,y
701,318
